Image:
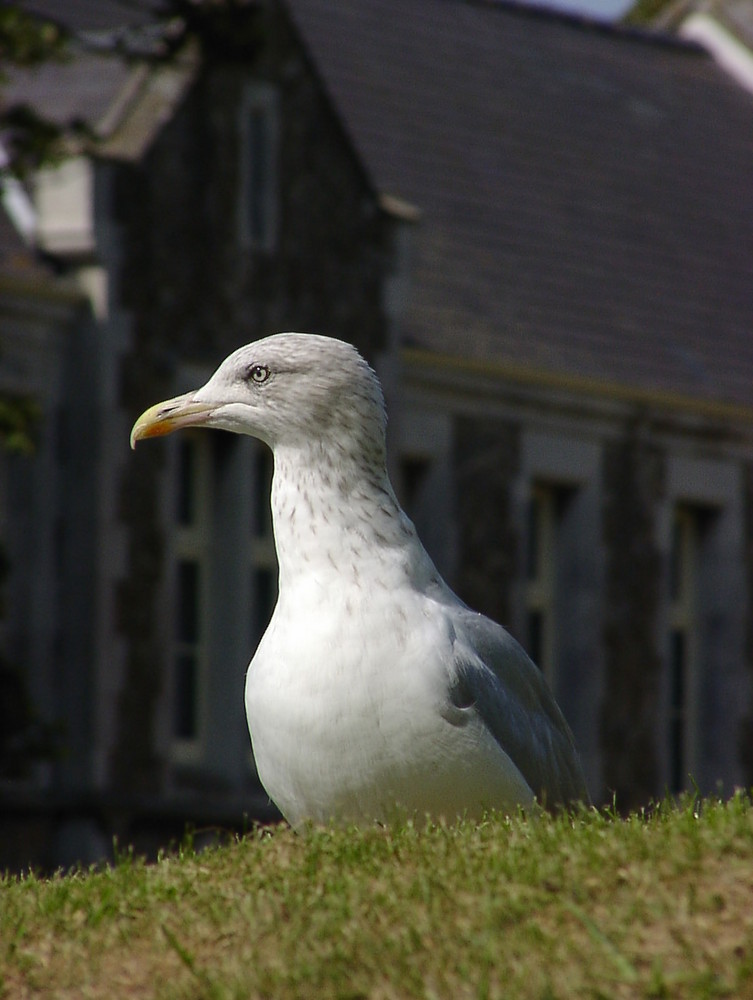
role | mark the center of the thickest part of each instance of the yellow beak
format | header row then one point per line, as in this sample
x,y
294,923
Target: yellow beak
x,y
171,415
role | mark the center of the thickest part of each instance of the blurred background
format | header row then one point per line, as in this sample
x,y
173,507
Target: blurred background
x,y
536,222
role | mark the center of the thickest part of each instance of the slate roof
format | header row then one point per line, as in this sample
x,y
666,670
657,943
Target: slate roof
x,y
108,19
586,193
81,90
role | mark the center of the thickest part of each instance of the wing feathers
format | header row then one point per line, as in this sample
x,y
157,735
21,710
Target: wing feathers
x,y
493,674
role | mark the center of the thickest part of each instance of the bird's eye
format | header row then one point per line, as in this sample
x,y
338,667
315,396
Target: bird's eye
x,y
258,374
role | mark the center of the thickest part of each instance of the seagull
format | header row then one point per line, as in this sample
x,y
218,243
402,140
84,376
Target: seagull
x,y
375,692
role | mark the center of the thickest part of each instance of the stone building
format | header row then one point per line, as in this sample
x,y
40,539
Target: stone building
x,y
538,229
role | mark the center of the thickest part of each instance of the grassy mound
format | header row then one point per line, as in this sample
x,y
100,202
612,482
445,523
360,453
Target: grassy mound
x,y
654,905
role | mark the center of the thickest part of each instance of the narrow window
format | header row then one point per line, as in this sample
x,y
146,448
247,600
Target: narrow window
x,y
682,658
259,129
186,660
190,550
545,509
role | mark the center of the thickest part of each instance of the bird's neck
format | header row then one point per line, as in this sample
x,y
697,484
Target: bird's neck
x,y
334,513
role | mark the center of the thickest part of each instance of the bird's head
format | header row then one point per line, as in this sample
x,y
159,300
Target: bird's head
x,y
288,389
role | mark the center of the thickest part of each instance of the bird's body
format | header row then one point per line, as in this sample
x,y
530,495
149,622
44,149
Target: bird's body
x,y
349,711
375,691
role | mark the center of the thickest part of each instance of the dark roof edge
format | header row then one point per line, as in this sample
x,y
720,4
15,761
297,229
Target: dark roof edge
x,y
615,29
420,359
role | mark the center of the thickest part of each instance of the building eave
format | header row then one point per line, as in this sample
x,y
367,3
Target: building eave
x,y
144,106
417,360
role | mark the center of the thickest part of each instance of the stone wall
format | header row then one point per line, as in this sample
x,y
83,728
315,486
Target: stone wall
x,y
486,460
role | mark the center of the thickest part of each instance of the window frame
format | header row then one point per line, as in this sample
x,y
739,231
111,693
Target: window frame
x,y
259,188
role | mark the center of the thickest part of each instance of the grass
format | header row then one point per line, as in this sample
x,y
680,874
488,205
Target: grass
x,y
656,905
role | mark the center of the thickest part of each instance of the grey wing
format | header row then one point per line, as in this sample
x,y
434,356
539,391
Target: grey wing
x,y
493,673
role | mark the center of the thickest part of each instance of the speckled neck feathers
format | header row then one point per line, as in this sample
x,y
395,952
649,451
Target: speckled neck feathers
x,y
333,507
